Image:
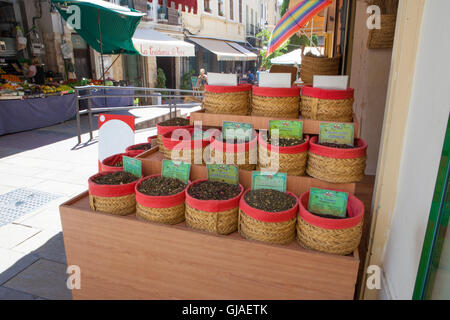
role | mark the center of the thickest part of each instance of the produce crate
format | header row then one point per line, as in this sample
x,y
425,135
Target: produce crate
x,y
215,120
152,164
121,257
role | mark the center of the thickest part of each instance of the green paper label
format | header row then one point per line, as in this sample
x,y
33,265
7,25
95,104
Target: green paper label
x,y
328,202
269,180
287,128
132,165
223,173
176,169
340,133
237,130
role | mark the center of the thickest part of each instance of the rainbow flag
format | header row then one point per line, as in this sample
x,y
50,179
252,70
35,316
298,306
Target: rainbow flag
x,y
294,20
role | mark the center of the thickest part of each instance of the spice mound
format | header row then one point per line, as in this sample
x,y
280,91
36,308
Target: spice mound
x,y
285,142
174,122
270,200
161,186
214,190
145,146
335,145
115,178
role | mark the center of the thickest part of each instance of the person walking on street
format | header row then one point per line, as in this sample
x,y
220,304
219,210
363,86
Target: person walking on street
x,y
202,80
250,77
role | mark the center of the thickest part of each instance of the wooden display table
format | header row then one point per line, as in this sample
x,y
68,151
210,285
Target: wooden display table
x,y
126,258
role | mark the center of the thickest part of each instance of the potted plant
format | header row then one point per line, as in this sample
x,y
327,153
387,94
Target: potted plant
x,y
113,192
268,215
213,206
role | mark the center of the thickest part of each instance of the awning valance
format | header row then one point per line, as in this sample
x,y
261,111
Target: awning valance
x,y
149,42
225,50
117,24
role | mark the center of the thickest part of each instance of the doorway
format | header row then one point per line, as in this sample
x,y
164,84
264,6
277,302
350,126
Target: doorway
x,y
82,57
167,64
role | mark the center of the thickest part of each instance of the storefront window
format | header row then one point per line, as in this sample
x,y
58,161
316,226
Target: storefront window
x,y
207,6
231,10
220,8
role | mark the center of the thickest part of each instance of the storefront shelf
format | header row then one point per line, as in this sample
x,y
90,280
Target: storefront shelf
x,y
215,120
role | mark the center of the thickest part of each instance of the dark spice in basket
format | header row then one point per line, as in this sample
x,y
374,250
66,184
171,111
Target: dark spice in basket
x,y
161,186
338,146
115,178
214,190
286,142
174,122
270,200
144,146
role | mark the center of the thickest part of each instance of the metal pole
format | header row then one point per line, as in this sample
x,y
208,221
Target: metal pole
x,y
77,106
90,117
101,44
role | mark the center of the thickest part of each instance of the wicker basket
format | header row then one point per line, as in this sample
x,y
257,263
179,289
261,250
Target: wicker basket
x,y
383,38
337,165
276,102
269,227
327,105
161,209
244,155
179,146
114,199
337,236
107,165
291,160
312,66
215,216
161,130
138,150
228,99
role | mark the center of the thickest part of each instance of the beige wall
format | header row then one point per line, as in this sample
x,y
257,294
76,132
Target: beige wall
x,y
369,77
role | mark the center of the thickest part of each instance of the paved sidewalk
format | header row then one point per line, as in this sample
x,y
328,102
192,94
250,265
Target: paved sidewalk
x,y
47,160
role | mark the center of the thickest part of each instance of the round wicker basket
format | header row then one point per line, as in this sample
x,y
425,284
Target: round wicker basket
x,y
114,199
312,66
327,105
337,236
269,227
244,155
228,100
215,216
276,102
337,165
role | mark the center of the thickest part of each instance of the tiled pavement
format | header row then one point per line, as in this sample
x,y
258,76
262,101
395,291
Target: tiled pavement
x,y
32,256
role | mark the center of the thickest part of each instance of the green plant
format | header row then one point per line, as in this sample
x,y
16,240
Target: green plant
x,y
186,80
265,61
284,7
160,78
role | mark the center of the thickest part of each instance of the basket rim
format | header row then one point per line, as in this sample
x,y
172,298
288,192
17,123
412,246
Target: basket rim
x,y
170,144
212,205
327,94
276,92
228,89
107,190
265,216
337,153
106,163
137,144
150,139
355,208
287,150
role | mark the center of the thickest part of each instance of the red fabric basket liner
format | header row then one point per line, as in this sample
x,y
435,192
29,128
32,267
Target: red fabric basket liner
x,y
228,89
276,92
355,210
150,139
107,163
264,216
103,190
165,129
285,150
159,201
328,94
338,153
182,144
228,147
212,205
